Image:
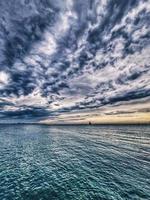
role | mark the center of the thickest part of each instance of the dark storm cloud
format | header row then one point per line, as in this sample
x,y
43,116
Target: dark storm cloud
x,y
72,55
23,25
5,103
26,114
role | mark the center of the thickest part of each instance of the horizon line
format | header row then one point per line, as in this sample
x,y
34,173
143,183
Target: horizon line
x,y
74,124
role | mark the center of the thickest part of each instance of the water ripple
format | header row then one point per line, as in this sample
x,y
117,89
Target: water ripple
x,y
74,162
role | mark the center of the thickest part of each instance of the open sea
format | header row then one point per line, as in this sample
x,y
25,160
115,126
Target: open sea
x,y
39,162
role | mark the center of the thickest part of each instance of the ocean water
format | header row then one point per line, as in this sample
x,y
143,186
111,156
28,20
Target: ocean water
x,y
40,162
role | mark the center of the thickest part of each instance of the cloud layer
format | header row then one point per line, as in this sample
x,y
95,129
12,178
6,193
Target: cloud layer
x,y
60,57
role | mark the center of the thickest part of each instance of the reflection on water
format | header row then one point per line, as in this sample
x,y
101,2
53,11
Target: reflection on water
x,y
74,162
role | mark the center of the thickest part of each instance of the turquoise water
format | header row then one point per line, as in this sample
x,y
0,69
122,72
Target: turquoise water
x,y
74,162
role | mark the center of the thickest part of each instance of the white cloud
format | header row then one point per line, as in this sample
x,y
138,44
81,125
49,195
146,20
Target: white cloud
x,y
4,79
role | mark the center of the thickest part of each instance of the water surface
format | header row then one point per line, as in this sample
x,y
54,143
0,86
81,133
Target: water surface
x,y
74,162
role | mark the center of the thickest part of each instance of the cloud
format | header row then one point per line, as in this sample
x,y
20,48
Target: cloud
x,y
4,79
59,57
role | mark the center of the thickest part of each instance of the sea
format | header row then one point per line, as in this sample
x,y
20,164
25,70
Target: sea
x,y
76,162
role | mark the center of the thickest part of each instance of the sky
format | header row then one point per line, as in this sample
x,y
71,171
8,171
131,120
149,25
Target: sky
x,y
75,61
